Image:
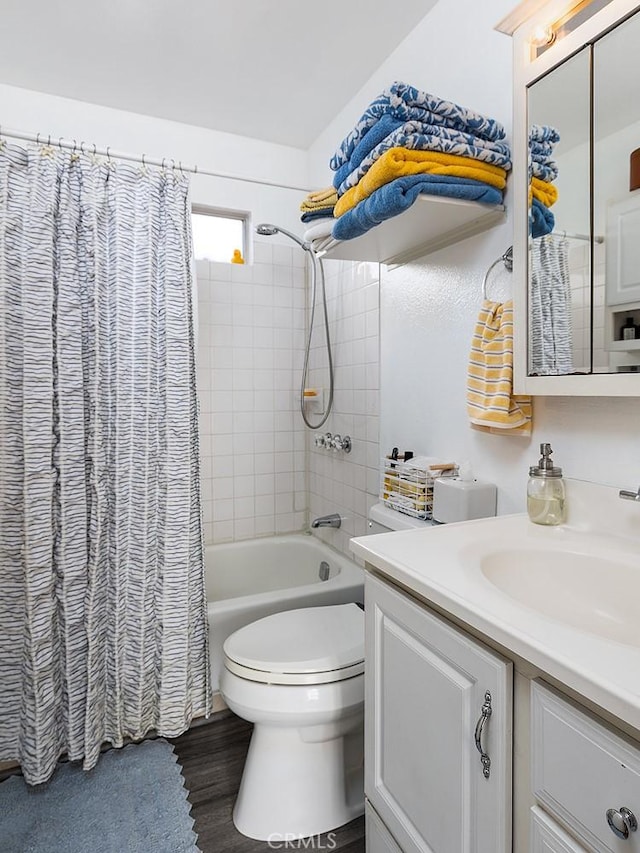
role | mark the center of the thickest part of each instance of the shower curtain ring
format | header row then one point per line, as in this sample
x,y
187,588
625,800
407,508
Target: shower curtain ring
x,y
95,150
49,141
108,154
38,138
162,166
180,167
82,146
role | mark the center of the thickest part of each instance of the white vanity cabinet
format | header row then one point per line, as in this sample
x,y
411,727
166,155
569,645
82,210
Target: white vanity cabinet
x,y
434,698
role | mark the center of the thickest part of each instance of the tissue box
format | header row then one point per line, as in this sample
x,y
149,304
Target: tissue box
x,y
461,500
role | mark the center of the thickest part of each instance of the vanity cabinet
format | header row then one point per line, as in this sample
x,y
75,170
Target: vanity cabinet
x,y
438,732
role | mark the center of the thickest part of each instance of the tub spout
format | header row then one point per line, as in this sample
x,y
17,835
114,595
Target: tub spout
x,y
333,520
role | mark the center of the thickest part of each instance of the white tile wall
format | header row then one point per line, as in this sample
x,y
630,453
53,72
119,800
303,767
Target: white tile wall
x,y
339,482
250,338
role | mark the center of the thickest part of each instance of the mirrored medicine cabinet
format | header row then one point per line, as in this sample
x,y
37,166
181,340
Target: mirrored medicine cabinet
x,y
577,205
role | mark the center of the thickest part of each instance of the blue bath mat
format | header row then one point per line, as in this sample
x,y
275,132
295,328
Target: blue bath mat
x,y
133,801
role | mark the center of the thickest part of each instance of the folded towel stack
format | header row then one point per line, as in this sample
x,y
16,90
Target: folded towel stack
x,y
409,142
319,204
543,170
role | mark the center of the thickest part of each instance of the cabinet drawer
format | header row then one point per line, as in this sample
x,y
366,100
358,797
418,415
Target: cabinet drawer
x,y
581,769
548,837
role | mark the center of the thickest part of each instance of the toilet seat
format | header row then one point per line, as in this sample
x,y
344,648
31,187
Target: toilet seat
x,y
313,645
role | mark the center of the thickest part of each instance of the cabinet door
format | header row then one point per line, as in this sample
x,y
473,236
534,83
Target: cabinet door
x,y
548,837
425,688
378,838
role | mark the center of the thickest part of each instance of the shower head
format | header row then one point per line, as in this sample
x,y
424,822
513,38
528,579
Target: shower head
x,y
268,230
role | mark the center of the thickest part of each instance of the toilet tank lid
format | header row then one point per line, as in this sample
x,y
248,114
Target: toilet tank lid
x,y
395,520
312,639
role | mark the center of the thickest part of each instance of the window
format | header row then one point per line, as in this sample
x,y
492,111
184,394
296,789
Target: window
x,y
218,233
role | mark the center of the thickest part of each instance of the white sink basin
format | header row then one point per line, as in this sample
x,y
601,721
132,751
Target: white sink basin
x,y
592,593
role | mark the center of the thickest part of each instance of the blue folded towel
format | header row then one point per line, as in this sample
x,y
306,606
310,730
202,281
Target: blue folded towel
x,y
406,103
543,133
541,219
545,171
380,130
395,197
320,213
420,136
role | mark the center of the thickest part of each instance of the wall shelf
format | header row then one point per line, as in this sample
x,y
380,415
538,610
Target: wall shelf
x,y
624,346
430,224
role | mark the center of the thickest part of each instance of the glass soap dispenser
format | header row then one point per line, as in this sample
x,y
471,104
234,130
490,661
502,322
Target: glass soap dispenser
x,y
545,490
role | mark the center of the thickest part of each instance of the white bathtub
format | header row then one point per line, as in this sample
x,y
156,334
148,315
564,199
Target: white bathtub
x,y
251,579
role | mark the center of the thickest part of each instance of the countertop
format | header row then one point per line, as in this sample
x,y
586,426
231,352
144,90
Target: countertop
x,y
442,565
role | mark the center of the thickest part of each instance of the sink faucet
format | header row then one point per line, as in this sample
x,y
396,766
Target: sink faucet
x,y
626,495
333,520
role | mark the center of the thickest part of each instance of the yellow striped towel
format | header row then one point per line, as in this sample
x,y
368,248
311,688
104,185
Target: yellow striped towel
x,y
400,162
545,192
491,404
319,199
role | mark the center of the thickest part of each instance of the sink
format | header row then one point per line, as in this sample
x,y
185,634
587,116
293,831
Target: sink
x,y
596,594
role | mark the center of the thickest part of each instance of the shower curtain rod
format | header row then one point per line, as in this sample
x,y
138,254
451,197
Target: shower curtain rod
x,y
165,163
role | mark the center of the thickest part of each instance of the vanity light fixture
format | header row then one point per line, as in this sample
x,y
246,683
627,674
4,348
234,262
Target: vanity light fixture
x,y
542,36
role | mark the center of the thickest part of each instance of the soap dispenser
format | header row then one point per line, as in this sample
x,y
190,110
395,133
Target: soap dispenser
x,y
545,490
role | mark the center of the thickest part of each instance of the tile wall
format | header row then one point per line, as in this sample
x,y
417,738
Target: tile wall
x,y
339,482
251,334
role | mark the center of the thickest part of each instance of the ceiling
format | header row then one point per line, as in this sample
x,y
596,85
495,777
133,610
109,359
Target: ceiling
x,y
276,70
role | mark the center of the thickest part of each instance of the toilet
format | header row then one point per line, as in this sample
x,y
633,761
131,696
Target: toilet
x,y
298,676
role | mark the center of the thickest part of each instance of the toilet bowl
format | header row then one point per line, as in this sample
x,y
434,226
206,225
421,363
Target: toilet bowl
x,y
298,676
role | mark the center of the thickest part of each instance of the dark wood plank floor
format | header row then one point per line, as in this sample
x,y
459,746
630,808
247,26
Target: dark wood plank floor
x,y
212,757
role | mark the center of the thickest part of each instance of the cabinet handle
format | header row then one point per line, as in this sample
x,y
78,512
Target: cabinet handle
x,y
484,715
622,821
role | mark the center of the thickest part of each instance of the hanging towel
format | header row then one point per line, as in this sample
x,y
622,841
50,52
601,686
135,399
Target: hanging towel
x,y
550,336
491,403
319,199
417,135
407,103
394,198
399,162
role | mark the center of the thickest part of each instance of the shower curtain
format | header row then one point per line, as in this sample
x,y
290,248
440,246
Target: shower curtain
x,y
102,605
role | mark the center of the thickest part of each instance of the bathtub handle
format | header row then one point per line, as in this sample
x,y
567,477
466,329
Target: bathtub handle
x,y
325,570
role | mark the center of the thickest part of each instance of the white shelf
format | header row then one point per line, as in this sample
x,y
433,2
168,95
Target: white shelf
x,y
624,346
430,224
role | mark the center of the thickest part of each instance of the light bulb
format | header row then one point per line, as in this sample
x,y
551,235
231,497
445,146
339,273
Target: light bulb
x,y
542,35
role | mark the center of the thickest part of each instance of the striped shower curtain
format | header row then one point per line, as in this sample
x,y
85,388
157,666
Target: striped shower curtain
x,y
102,605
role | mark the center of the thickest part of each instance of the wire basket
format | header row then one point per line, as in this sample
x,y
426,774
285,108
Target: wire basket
x,y
407,487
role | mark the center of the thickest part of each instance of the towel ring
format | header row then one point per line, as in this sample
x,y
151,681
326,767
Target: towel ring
x,y
506,259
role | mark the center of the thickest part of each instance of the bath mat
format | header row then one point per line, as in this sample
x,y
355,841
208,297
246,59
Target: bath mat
x,y
133,801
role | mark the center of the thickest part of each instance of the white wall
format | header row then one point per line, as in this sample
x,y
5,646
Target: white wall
x,y
428,309
35,112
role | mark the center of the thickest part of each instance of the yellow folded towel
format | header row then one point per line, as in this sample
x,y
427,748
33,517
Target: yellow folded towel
x,y
491,404
399,162
319,199
545,192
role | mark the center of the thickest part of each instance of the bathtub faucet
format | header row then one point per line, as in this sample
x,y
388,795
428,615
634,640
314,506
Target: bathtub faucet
x,y
332,520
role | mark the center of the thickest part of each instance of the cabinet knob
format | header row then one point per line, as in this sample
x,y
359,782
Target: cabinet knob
x,y
622,821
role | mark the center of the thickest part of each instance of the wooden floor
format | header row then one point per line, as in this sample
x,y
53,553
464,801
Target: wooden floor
x,y
212,757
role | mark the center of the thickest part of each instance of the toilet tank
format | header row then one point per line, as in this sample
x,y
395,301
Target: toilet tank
x,y
383,519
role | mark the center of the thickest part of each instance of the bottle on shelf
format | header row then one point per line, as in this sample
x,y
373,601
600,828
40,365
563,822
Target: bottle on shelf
x,y
628,331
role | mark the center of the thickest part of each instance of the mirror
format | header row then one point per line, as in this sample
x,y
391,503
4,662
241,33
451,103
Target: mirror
x,y
584,220
559,273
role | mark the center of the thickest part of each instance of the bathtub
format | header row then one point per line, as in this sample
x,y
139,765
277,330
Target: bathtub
x,y
254,578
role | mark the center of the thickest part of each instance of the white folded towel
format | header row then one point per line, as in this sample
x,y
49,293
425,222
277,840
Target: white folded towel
x,y
320,228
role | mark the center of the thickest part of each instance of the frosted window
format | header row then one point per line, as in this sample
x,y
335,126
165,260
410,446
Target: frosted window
x,y
216,236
